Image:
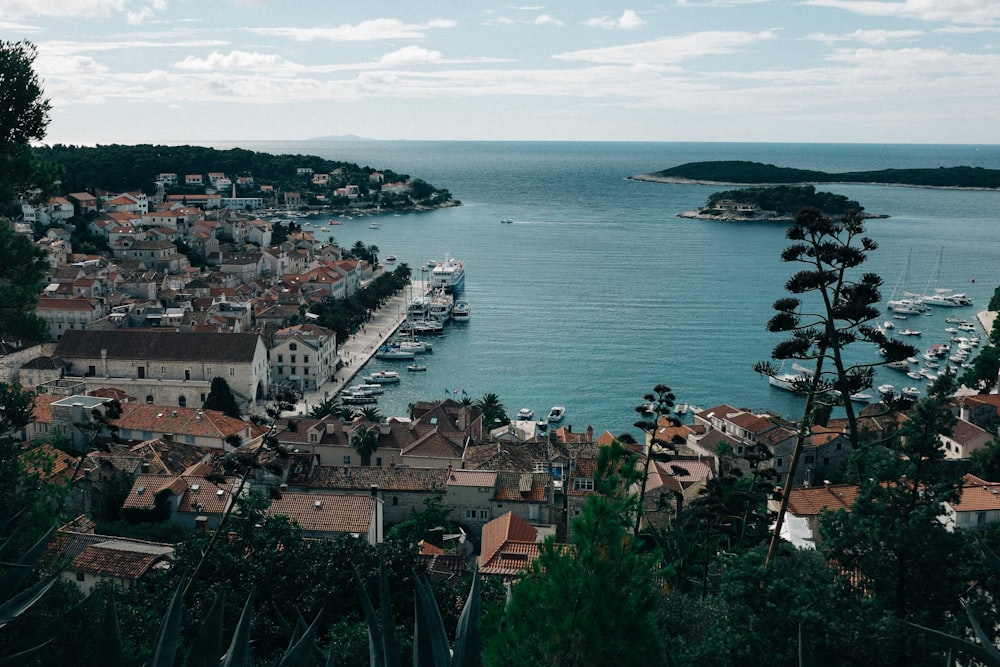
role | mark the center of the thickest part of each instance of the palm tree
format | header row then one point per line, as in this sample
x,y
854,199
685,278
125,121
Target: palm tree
x,y
371,413
372,254
328,406
365,443
494,413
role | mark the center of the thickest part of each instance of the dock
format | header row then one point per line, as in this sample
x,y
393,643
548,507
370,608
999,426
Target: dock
x,y
361,347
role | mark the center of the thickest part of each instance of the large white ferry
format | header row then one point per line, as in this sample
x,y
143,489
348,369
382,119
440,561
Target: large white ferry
x,y
448,275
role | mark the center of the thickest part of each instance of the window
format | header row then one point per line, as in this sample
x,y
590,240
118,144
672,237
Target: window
x,y
485,489
232,371
347,459
305,358
208,370
293,358
313,437
378,461
395,501
583,484
91,370
484,514
810,458
538,467
163,369
182,401
281,358
187,373
281,370
189,439
779,462
470,514
838,445
80,576
149,399
305,370
293,346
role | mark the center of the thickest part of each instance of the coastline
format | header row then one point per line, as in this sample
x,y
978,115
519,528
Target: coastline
x,y
673,180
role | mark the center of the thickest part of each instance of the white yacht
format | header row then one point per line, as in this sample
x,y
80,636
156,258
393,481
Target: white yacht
x,y
383,377
440,307
448,275
556,414
525,414
418,307
461,312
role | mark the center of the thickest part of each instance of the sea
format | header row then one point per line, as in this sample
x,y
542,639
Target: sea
x,y
598,291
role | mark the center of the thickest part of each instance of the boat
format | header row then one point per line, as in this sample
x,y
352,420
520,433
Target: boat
x,y
383,377
506,221
681,409
556,414
416,368
418,307
888,325
390,259
373,225
393,353
967,326
913,375
861,397
461,312
795,382
942,296
358,398
365,389
448,275
908,304
910,392
415,346
525,414
909,332
428,327
900,365
334,222
886,389
440,307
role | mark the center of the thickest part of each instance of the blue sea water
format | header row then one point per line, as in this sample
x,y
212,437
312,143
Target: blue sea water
x,y
598,291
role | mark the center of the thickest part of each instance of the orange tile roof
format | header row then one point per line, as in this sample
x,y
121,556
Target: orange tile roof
x,y
120,559
977,495
332,514
42,411
179,421
811,501
472,478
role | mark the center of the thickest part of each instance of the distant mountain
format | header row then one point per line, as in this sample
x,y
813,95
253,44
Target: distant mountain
x,y
341,137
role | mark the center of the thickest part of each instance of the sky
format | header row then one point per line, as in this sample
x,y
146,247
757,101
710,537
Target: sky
x,y
841,71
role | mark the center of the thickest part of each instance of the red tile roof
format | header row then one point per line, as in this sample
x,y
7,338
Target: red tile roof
x,y
327,513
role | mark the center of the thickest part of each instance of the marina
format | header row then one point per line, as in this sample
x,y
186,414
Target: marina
x,y
558,320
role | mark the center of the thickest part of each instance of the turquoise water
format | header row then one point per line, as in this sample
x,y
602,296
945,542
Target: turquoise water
x,y
598,291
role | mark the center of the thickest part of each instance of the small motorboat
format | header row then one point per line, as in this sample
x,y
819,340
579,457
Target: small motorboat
x,y
556,414
390,259
416,368
525,414
383,377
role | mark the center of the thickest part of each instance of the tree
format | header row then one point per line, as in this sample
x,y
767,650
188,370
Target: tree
x,y
494,412
365,443
24,116
22,271
657,408
893,539
221,398
820,332
589,604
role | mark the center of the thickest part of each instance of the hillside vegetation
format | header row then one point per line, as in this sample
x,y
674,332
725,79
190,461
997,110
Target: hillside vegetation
x,y
741,171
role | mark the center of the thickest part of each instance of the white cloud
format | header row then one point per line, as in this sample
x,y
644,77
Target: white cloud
x,y
365,31
875,37
61,8
72,65
234,60
548,19
672,50
629,20
952,11
410,55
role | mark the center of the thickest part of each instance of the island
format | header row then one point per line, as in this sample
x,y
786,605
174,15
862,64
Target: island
x,y
777,203
737,172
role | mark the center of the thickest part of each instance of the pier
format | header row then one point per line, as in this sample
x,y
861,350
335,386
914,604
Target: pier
x,y
361,347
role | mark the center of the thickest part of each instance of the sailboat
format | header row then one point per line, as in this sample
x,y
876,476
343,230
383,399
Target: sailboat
x,y
908,304
942,296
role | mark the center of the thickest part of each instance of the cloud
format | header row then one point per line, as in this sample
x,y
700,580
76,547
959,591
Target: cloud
x,y
548,19
410,55
62,8
365,31
875,37
629,20
950,11
146,13
672,50
234,60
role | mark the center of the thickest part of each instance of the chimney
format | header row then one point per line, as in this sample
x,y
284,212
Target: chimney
x,y
374,490
590,433
201,524
283,488
384,428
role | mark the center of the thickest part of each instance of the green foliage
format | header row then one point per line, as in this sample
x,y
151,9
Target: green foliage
x,y
220,397
494,412
588,605
345,316
741,171
22,271
24,117
787,199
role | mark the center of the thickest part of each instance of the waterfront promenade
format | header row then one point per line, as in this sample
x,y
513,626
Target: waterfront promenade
x,y
358,349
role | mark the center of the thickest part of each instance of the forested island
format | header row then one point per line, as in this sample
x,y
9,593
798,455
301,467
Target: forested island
x,y
320,182
757,173
777,204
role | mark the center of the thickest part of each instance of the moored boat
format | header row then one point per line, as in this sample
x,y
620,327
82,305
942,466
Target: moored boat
x,y
448,275
416,368
525,414
358,398
556,414
383,377
391,352
461,311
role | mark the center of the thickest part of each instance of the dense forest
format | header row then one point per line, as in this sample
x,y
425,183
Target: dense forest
x,y
742,171
786,199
